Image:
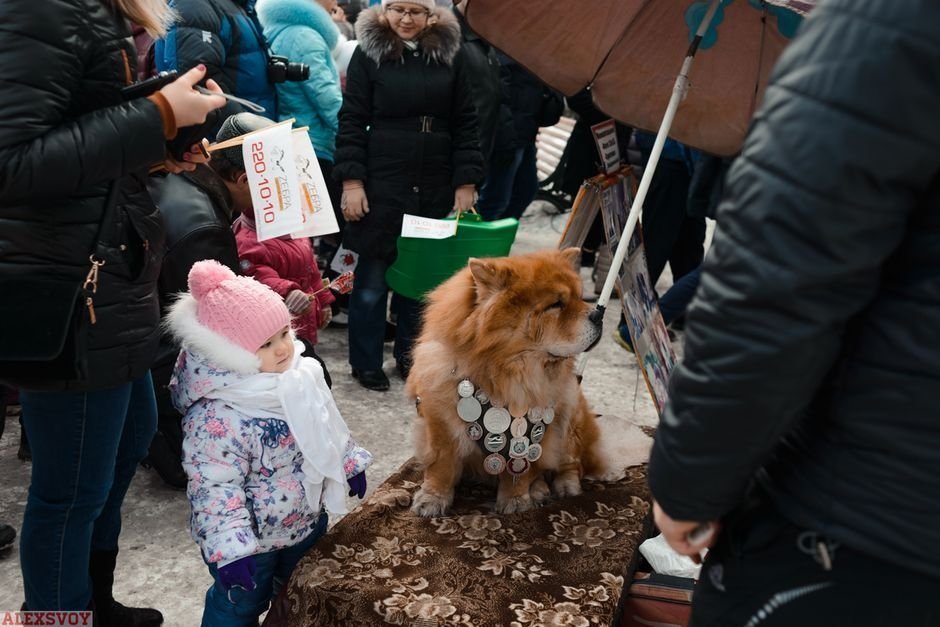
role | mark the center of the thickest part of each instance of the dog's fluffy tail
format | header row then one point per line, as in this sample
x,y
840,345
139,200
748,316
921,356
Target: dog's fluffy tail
x,y
621,445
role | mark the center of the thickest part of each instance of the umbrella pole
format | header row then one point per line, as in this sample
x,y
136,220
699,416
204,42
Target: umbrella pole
x,y
678,93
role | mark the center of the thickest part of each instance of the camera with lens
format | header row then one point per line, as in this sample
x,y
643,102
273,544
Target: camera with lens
x,y
280,69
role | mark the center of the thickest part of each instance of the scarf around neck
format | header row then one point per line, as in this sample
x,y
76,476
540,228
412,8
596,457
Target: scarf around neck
x,y
300,397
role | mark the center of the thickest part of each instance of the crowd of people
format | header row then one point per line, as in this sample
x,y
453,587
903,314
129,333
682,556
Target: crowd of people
x,y
803,404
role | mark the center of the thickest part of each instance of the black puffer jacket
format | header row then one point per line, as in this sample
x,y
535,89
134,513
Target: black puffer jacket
x,y
388,89
197,211
483,74
64,136
812,357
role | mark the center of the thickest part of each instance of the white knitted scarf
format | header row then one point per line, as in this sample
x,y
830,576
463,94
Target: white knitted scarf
x,y
300,397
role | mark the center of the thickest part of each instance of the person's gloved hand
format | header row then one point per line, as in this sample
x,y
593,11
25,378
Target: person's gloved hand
x,y
238,573
357,485
326,314
298,302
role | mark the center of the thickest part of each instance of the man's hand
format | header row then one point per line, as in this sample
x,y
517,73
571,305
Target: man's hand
x,y
677,532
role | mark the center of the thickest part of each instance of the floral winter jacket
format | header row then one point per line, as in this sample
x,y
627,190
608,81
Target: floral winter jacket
x,y
245,478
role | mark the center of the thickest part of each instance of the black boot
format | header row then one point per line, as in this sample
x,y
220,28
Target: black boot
x,y
108,612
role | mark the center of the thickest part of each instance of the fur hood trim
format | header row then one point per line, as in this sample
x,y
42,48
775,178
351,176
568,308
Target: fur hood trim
x,y
439,42
182,323
277,15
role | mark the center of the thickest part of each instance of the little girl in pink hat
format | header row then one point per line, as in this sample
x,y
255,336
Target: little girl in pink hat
x,y
265,449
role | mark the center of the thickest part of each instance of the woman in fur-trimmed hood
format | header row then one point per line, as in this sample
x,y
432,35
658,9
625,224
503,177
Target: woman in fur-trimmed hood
x,y
407,143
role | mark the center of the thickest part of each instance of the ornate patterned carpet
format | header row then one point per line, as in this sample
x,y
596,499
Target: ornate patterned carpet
x,y
563,564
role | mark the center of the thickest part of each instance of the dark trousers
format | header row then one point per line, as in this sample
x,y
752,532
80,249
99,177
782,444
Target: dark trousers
x,y
674,302
86,447
368,304
670,234
510,184
766,572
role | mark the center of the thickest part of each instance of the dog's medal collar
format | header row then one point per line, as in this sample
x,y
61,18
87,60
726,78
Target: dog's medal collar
x,y
510,443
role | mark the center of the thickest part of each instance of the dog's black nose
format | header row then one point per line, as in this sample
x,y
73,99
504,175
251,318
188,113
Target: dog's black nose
x,y
597,316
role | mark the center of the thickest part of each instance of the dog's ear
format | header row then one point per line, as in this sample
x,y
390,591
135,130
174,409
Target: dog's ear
x,y
488,275
573,255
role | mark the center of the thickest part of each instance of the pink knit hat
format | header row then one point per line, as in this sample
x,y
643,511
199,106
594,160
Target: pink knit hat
x,y
238,308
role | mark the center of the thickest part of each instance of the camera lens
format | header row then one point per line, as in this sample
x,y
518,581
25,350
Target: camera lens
x,y
298,71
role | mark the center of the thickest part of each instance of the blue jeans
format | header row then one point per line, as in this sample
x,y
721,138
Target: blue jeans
x,y
239,607
368,303
510,185
86,447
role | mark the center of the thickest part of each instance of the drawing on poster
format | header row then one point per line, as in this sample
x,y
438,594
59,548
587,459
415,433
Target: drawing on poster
x,y
614,195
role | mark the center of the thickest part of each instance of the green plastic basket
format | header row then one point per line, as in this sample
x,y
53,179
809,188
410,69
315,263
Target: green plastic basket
x,y
423,264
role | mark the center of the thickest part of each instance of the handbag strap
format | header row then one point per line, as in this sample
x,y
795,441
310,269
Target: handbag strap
x,y
97,258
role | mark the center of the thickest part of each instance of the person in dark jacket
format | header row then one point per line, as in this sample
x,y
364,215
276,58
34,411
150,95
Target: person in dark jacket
x,y
407,143
198,208
483,74
512,179
69,148
225,36
804,414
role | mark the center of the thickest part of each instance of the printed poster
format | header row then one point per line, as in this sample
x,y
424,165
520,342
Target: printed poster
x,y
318,215
272,180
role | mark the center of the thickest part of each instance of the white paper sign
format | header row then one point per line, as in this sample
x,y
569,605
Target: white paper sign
x,y
427,228
344,260
319,218
605,136
272,180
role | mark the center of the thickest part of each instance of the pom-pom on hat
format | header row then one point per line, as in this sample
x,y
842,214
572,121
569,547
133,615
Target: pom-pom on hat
x,y
427,4
240,309
226,318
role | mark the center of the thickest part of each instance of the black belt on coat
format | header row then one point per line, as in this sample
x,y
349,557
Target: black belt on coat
x,y
419,124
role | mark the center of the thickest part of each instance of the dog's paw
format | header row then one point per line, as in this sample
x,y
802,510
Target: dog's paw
x,y
567,485
429,505
539,492
514,504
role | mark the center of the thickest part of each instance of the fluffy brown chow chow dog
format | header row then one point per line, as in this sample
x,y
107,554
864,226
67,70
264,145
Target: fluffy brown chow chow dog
x,y
512,327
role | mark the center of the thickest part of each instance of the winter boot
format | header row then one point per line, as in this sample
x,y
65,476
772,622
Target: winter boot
x,y
108,612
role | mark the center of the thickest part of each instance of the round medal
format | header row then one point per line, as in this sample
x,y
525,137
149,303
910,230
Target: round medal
x,y
474,431
534,452
496,419
518,447
535,414
518,427
494,442
537,433
469,409
494,464
465,388
481,396
517,465
549,415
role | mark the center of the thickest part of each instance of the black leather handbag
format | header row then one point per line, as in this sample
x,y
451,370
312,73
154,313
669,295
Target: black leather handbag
x,y
45,318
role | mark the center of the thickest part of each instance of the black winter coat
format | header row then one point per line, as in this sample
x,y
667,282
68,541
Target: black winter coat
x,y
65,135
197,211
483,72
527,105
812,357
380,141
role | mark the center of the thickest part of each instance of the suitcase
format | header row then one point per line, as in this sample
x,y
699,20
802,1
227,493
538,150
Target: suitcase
x,y
658,600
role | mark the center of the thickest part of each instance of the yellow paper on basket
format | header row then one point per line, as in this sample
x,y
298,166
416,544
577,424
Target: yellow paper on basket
x,y
272,181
